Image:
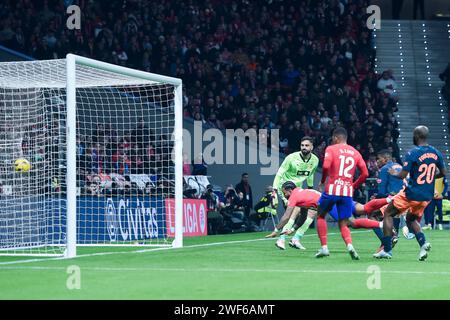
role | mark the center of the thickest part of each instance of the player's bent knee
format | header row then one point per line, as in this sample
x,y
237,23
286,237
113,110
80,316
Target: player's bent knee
x,y
391,211
411,217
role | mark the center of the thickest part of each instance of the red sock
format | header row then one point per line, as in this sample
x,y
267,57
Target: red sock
x,y
346,235
365,223
374,205
322,230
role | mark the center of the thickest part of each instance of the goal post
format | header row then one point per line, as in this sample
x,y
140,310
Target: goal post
x,y
109,140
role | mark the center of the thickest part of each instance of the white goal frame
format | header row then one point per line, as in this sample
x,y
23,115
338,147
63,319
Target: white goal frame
x,y
71,62
69,81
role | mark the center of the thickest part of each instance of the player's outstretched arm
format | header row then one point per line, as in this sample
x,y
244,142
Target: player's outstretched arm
x,y
284,219
302,224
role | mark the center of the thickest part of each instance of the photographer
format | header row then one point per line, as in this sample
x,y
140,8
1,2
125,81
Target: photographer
x,y
215,219
266,207
247,197
233,203
233,210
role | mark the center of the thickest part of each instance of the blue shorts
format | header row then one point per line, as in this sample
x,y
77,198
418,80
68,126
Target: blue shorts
x,y
343,205
354,209
334,213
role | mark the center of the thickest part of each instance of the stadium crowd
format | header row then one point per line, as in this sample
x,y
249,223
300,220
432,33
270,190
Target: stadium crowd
x,y
108,162
304,68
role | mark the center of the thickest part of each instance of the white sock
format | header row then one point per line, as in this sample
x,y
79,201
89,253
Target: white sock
x,y
349,247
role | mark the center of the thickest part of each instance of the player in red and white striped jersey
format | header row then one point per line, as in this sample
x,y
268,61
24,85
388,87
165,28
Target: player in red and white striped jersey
x,y
340,163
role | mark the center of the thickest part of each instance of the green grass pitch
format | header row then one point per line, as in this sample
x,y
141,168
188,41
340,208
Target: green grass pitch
x,y
237,266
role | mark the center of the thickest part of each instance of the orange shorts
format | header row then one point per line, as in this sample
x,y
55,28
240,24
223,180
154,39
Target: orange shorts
x,y
403,204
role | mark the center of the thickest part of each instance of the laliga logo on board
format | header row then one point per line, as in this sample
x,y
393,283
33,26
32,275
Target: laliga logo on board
x,y
190,217
202,217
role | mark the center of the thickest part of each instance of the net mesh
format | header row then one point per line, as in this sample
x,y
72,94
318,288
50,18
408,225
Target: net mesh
x,y
125,173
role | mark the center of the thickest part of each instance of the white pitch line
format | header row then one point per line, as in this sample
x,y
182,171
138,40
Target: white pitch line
x,y
157,249
202,270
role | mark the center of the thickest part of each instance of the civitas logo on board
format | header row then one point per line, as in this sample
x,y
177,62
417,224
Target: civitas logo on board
x,y
110,217
130,221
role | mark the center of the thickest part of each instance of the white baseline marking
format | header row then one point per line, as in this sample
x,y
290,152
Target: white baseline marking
x,y
163,248
158,249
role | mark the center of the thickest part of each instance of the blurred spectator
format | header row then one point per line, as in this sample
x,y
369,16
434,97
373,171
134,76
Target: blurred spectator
x,y
247,196
141,135
372,166
215,219
186,165
233,206
387,84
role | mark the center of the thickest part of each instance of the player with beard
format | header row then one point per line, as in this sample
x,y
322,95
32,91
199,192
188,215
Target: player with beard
x,y
297,167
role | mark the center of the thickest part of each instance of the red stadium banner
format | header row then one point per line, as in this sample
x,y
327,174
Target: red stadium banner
x,y
195,220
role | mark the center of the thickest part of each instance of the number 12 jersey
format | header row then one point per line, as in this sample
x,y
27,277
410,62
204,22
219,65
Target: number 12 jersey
x,y
340,163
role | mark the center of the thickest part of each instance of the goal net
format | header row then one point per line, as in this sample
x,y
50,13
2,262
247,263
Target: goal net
x,y
104,147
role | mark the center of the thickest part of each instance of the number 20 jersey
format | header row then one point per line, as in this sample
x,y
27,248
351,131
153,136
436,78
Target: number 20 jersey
x,y
421,163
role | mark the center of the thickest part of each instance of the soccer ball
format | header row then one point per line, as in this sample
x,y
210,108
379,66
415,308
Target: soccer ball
x,y
22,165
